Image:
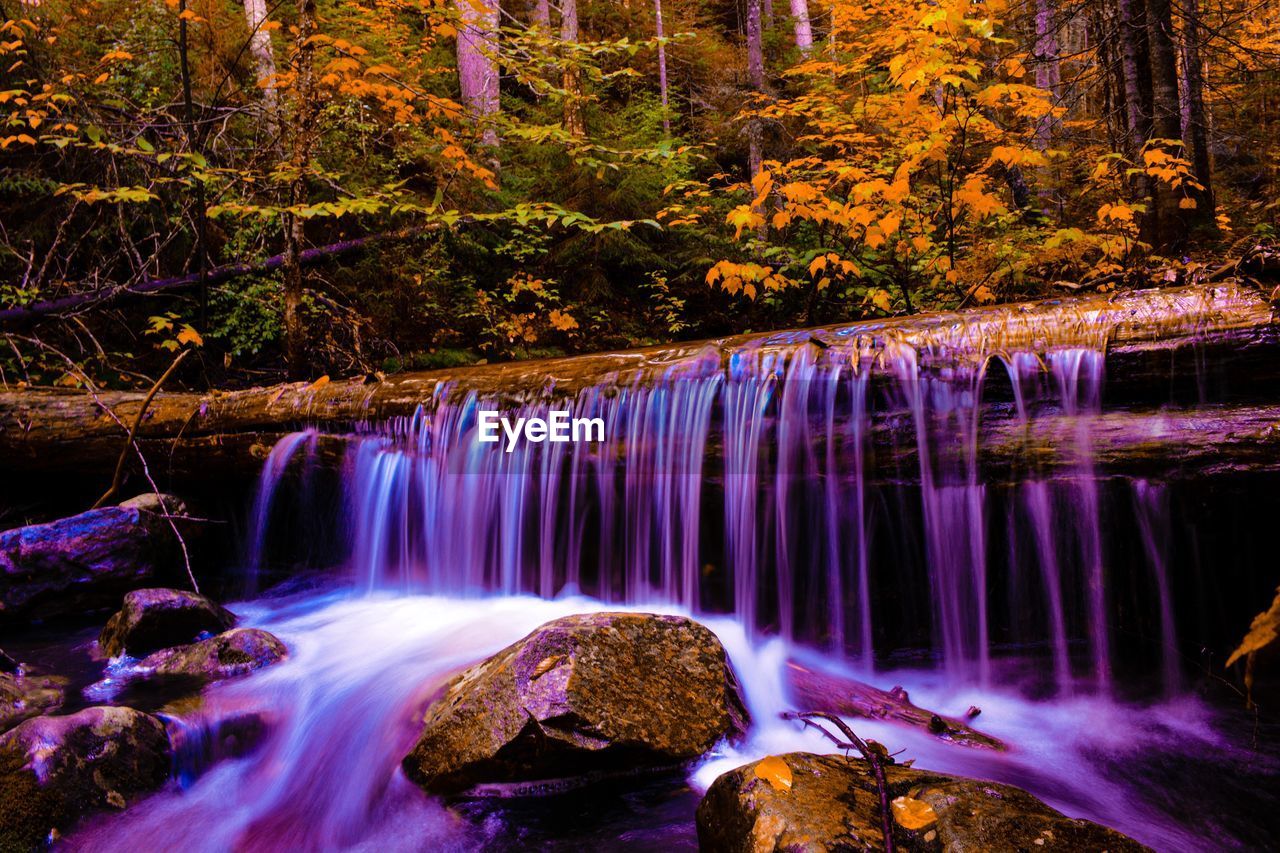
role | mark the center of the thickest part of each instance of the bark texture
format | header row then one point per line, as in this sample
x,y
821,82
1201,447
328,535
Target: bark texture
x,y
478,75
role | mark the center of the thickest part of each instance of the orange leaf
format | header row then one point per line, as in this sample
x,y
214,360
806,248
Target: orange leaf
x,y
774,771
911,813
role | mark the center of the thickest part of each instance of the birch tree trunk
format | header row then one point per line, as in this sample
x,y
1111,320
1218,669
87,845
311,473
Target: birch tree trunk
x,y
662,69
264,62
478,63
572,79
804,32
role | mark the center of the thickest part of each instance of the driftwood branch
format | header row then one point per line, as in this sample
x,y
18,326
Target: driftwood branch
x,y
131,440
872,757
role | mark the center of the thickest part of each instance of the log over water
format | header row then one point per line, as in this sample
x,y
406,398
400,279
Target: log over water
x,y
1156,341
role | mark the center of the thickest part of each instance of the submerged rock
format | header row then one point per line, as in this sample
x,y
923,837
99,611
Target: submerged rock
x,y
153,619
85,562
234,653
830,803
592,694
55,769
23,695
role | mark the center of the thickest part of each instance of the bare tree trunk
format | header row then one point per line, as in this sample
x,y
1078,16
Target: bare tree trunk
x,y
1195,119
572,80
767,9
1048,70
264,61
1136,87
804,32
1166,118
542,14
295,335
755,73
662,69
478,63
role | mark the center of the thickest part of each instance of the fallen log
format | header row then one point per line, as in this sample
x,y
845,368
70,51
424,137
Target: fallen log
x,y
1156,341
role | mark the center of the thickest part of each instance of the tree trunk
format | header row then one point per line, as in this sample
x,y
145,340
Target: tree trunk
x,y
478,64
767,11
1195,120
1136,87
542,14
1048,71
1166,122
305,114
662,68
264,61
804,32
572,81
755,74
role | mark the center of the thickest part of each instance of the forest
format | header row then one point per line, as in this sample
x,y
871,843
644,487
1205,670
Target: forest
x,y
767,426
315,188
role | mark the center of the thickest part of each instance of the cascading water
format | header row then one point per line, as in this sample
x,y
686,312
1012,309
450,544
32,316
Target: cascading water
x,y
745,484
820,499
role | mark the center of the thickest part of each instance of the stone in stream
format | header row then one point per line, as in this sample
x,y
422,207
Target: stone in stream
x,y
233,653
153,619
823,803
24,694
582,696
55,769
82,563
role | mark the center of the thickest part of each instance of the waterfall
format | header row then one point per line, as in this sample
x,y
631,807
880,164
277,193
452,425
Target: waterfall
x,y
746,482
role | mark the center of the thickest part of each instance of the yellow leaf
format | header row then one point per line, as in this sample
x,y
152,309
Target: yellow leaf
x,y
1187,203
882,300
1262,633
911,813
562,321
890,224
319,383
189,335
774,771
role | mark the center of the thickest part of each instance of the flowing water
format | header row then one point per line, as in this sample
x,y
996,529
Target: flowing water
x,y
823,501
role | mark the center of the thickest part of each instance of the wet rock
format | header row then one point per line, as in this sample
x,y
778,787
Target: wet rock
x,y
234,653
55,769
157,503
24,695
581,696
153,619
832,804
82,563
204,734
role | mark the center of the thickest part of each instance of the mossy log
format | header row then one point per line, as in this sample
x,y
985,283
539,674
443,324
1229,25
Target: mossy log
x,y
1158,343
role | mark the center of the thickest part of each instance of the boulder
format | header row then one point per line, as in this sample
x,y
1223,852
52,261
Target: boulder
x,y
85,562
153,619
817,803
23,695
157,503
55,769
582,696
234,653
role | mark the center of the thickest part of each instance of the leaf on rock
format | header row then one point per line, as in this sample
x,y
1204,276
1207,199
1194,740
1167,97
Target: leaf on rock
x,y
774,771
911,813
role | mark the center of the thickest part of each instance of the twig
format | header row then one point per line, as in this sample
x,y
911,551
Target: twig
x,y
130,440
854,742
